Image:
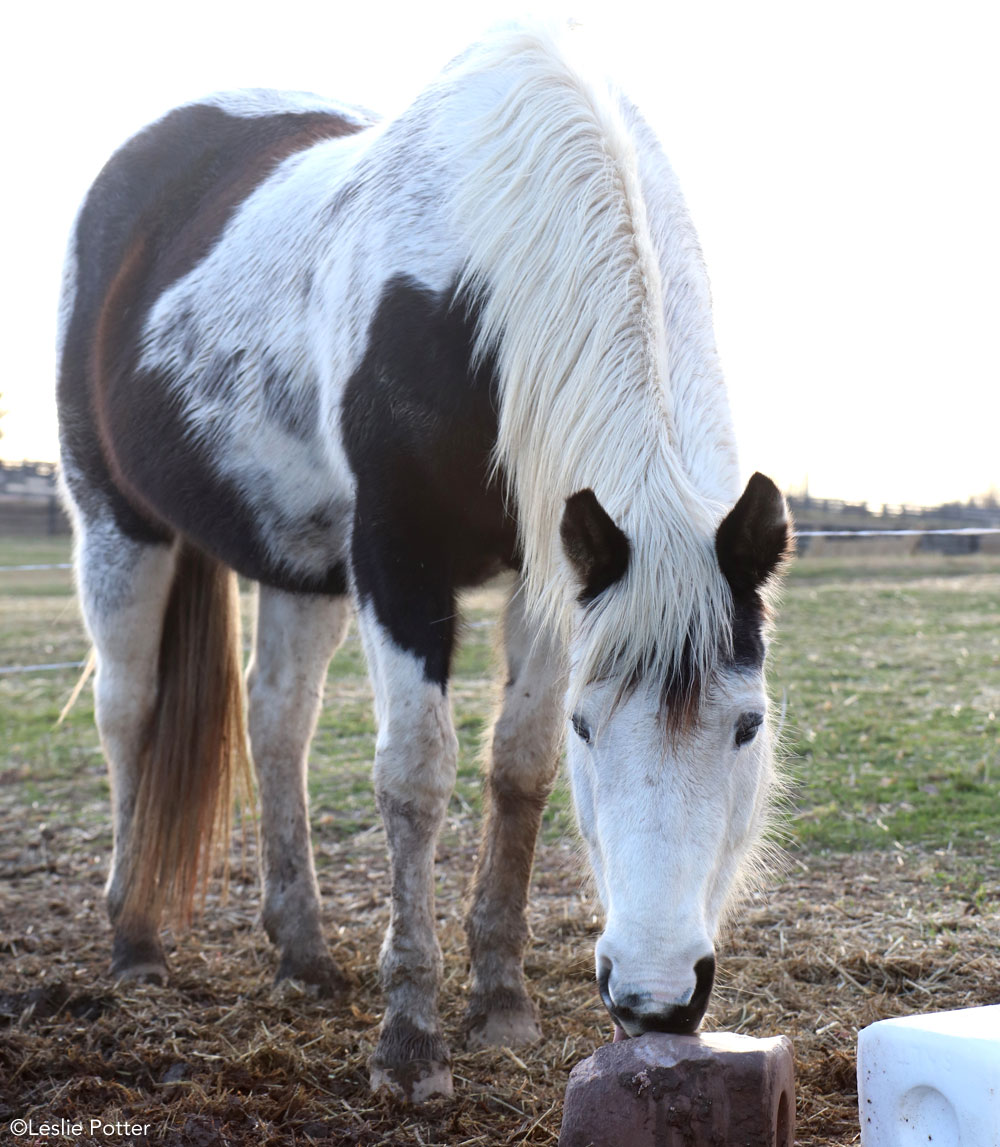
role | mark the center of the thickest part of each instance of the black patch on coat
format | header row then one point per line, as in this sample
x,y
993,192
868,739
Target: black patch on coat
x,y
153,213
419,426
596,548
747,649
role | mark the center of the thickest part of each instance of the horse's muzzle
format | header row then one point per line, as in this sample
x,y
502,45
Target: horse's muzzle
x,y
636,1014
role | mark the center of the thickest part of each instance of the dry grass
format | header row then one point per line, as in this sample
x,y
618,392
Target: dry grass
x,y
221,1057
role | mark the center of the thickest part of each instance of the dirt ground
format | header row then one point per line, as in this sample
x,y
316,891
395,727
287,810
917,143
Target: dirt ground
x,y
219,1056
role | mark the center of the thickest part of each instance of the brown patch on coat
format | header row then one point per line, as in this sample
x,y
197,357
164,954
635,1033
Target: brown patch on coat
x,y
164,243
113,322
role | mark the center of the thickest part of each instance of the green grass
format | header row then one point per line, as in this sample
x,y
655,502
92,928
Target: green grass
x,y
890,670
892,678
16,551
35,551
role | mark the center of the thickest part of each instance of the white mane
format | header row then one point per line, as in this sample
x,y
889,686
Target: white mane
x,y
570,277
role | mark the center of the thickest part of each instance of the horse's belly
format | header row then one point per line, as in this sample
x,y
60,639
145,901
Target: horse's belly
x,y
302,503
251,484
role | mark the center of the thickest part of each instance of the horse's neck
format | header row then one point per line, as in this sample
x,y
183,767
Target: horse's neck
x,y
419,237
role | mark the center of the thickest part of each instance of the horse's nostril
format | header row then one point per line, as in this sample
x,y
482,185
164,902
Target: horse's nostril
x,y
704,972
636,1013
603,982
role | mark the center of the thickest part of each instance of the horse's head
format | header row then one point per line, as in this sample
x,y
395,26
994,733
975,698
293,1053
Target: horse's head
x,y
671,779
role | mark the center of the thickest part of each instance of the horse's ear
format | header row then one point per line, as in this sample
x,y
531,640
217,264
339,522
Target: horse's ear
x,y
596,548
754,537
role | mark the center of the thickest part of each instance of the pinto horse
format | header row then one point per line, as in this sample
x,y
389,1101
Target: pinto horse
x,y
366,364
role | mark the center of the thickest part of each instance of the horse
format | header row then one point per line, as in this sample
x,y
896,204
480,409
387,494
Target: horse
x,y
366,364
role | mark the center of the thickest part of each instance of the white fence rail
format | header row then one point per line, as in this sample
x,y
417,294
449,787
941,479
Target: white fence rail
x,y
966,531
50,566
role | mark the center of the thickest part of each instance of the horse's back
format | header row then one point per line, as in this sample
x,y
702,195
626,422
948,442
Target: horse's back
x,y
173,186
153,214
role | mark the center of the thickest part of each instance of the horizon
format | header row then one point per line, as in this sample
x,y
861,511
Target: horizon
x,y
989,498
833,164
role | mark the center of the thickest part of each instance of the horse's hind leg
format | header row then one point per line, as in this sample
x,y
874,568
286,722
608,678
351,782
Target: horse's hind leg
x,y
296,637
124,586
524,757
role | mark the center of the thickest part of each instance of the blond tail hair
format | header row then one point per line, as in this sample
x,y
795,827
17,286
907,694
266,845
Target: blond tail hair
x,y
195,756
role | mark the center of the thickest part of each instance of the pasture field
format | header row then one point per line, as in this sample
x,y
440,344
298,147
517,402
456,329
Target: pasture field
x,y
888,671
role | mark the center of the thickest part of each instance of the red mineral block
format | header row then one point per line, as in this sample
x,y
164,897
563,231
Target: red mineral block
x,y
715,1090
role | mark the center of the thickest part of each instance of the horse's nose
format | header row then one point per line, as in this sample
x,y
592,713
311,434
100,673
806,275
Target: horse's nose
x,y
639,1012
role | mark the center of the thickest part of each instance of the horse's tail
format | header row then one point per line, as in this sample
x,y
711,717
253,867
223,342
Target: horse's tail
x,y
195,754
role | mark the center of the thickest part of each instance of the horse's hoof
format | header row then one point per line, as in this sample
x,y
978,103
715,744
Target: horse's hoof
x,y
414,1082
141,974
319,975
138,961
502,1027
410,1062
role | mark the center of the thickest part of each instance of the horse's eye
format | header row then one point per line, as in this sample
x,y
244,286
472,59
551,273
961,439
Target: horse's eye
x,y
581,728
747,726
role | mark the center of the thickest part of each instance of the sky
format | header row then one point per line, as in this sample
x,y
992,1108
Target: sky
x,y
839,160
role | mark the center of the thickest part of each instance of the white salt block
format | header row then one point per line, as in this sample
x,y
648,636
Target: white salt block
x,y
932,1080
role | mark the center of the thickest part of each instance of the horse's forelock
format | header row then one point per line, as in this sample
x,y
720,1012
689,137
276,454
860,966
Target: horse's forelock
x,y
683,682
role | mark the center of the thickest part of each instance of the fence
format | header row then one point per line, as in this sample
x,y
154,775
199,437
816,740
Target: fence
x,y
896,543
833,513
811,543
29,500
32,516
29,504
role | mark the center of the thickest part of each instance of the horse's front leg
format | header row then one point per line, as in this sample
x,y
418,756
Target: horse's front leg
x,y
523,759
415,763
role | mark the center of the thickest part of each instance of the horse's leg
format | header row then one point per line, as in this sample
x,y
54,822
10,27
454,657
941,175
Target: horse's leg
x,y
296,636
415,763
124,587
524,757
